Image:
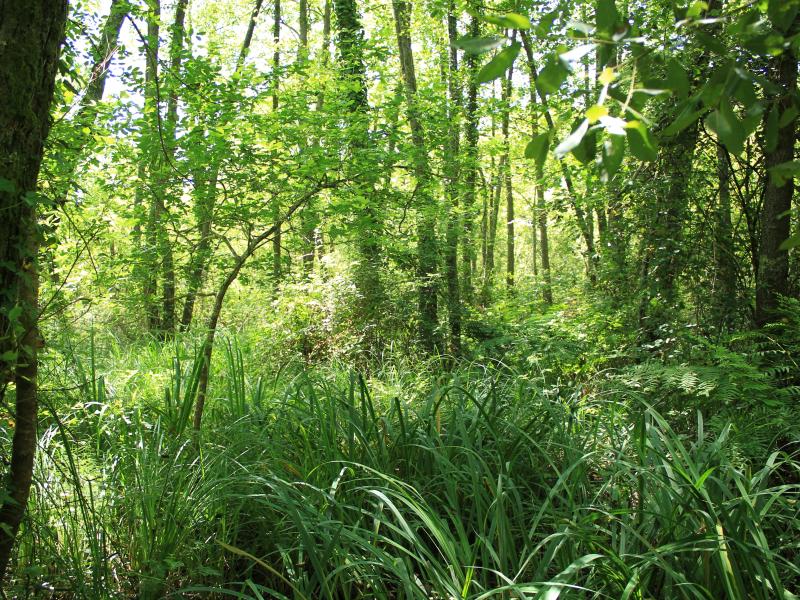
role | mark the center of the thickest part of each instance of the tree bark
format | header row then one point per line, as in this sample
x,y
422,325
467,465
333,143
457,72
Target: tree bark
x,y
427,247
452,159
31,32
773,262
368,272
205,196
724,287
541,204
470,169
277,239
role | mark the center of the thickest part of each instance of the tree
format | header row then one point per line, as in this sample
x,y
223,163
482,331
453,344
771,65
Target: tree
x,y
367,277
427,248
30,38
773,262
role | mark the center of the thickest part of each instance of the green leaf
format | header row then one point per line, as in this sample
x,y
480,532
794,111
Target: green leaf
x,y
792,242
729,129
685,118
606,15
9,356
572,141
551,77
782,13
7,186
611,156
677,79
509,20
586,151
499,64
546,24
780,174
787,116
537,149
696,9
477,45
641,142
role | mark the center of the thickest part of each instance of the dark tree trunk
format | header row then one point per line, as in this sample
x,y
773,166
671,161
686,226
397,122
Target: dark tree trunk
x,y
148,268
427,248
470,169
541,205
368,273
664,252
277,239
453,182
724,290
31,32
773,262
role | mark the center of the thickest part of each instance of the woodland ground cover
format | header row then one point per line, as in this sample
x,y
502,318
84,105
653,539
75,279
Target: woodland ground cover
x,y
554,465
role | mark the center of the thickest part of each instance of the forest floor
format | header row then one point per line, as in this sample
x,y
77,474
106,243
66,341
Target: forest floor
x,y
551,464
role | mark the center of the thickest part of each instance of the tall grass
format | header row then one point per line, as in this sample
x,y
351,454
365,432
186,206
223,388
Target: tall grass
x,y
409,484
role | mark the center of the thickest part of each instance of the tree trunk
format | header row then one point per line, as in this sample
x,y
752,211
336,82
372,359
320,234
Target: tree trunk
x,y
470,168
31,32
368,273
664,250
277,239
547,283
724,287
773,262
510,249
584,224
541,206
148,263
427,247
308,219
453,182
239,261
205,196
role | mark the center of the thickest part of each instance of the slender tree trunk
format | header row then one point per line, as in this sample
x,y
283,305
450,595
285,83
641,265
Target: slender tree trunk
x,y
248,37
205,196
494,196
773,262
584,224
506,178
31,32
166,164
368,272
534,242
452,159
148,269
724,298
308,218
470,169
277,239
541,206
427,247
239,262
547,283
102,53
510,241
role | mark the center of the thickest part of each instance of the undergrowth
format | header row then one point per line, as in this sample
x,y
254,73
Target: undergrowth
x,y
542,478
